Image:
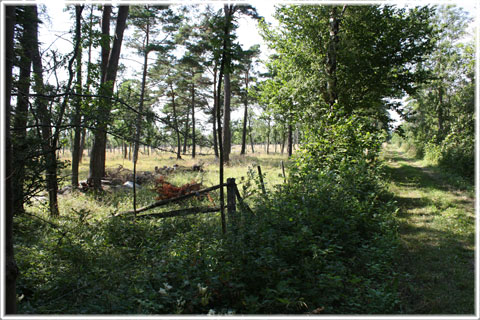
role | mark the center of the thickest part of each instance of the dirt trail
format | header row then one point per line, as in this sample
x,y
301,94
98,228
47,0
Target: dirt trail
x,y
437,233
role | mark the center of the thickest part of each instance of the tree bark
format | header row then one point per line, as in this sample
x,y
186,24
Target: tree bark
x,y
78,100
88,81
250,133
175,123
331,63
268,137
11,269
21,112
290,140
227,135
193,119
215,100
245,116
48,146
140,111
97,160
187,129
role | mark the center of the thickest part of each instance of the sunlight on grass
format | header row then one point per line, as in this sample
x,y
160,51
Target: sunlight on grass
x,y
437,230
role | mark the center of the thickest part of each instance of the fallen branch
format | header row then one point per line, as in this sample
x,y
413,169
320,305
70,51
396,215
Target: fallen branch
x,y
181,212
171,200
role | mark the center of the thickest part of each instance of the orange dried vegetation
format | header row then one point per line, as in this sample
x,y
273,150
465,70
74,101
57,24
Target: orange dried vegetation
x,y
166,190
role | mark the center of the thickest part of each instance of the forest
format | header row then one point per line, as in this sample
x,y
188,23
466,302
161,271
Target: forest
x,y
155,164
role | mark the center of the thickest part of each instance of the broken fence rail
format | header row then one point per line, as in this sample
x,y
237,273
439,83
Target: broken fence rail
x,y
171,200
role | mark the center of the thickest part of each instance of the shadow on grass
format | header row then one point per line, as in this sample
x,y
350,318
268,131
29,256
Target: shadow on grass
x,y
435,258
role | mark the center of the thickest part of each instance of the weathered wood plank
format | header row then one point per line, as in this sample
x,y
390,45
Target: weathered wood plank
x,y
180,212
167,201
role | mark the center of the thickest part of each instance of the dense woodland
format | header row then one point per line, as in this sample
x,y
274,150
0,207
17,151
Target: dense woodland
x,y
319,239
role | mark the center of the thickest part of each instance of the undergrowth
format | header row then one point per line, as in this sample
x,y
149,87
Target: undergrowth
x,y
322,243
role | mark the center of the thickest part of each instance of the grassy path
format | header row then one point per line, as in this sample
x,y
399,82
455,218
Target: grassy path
x,y
437,232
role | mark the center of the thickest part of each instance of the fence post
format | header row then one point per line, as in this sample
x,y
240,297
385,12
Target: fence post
x,y
261,179
231,205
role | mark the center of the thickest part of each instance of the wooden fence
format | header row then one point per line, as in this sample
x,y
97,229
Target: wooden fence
x,y
233,195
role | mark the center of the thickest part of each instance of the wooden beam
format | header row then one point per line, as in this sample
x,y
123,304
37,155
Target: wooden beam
x,y
167,201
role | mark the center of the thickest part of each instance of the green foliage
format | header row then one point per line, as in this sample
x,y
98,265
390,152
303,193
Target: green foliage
x,y
441,115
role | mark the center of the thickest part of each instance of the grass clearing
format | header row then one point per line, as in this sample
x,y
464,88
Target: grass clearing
x,y
437,232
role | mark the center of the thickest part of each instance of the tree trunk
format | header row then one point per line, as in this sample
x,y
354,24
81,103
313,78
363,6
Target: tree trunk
x,y
187,129
78,101
268,137
331,63
193,119
175,123
245,116
11,269
250,132
215,100
440,115
139,115
21,113
290,141
227,134
88,82
48,147
97,160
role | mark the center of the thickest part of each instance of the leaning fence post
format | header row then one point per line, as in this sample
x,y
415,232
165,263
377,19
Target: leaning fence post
x,y
261,179
231,205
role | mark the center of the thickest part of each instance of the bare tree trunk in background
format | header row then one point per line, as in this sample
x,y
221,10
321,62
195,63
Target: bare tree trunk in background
x,y
97,160
290,141
11,269
245,116
187,129
250,132
215,101
88,81
139,115
268,137
78,100
193,119
175,123
331,63
227,134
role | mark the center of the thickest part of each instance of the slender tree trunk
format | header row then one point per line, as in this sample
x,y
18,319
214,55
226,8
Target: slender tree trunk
x,y
440,115
11,269
48,146
331,63
88,81
21,113
78,101
193,119
275,139
175,123
139,115
290,140
187,129
250,133
245,116
268,137
227,134
97,160
215,101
